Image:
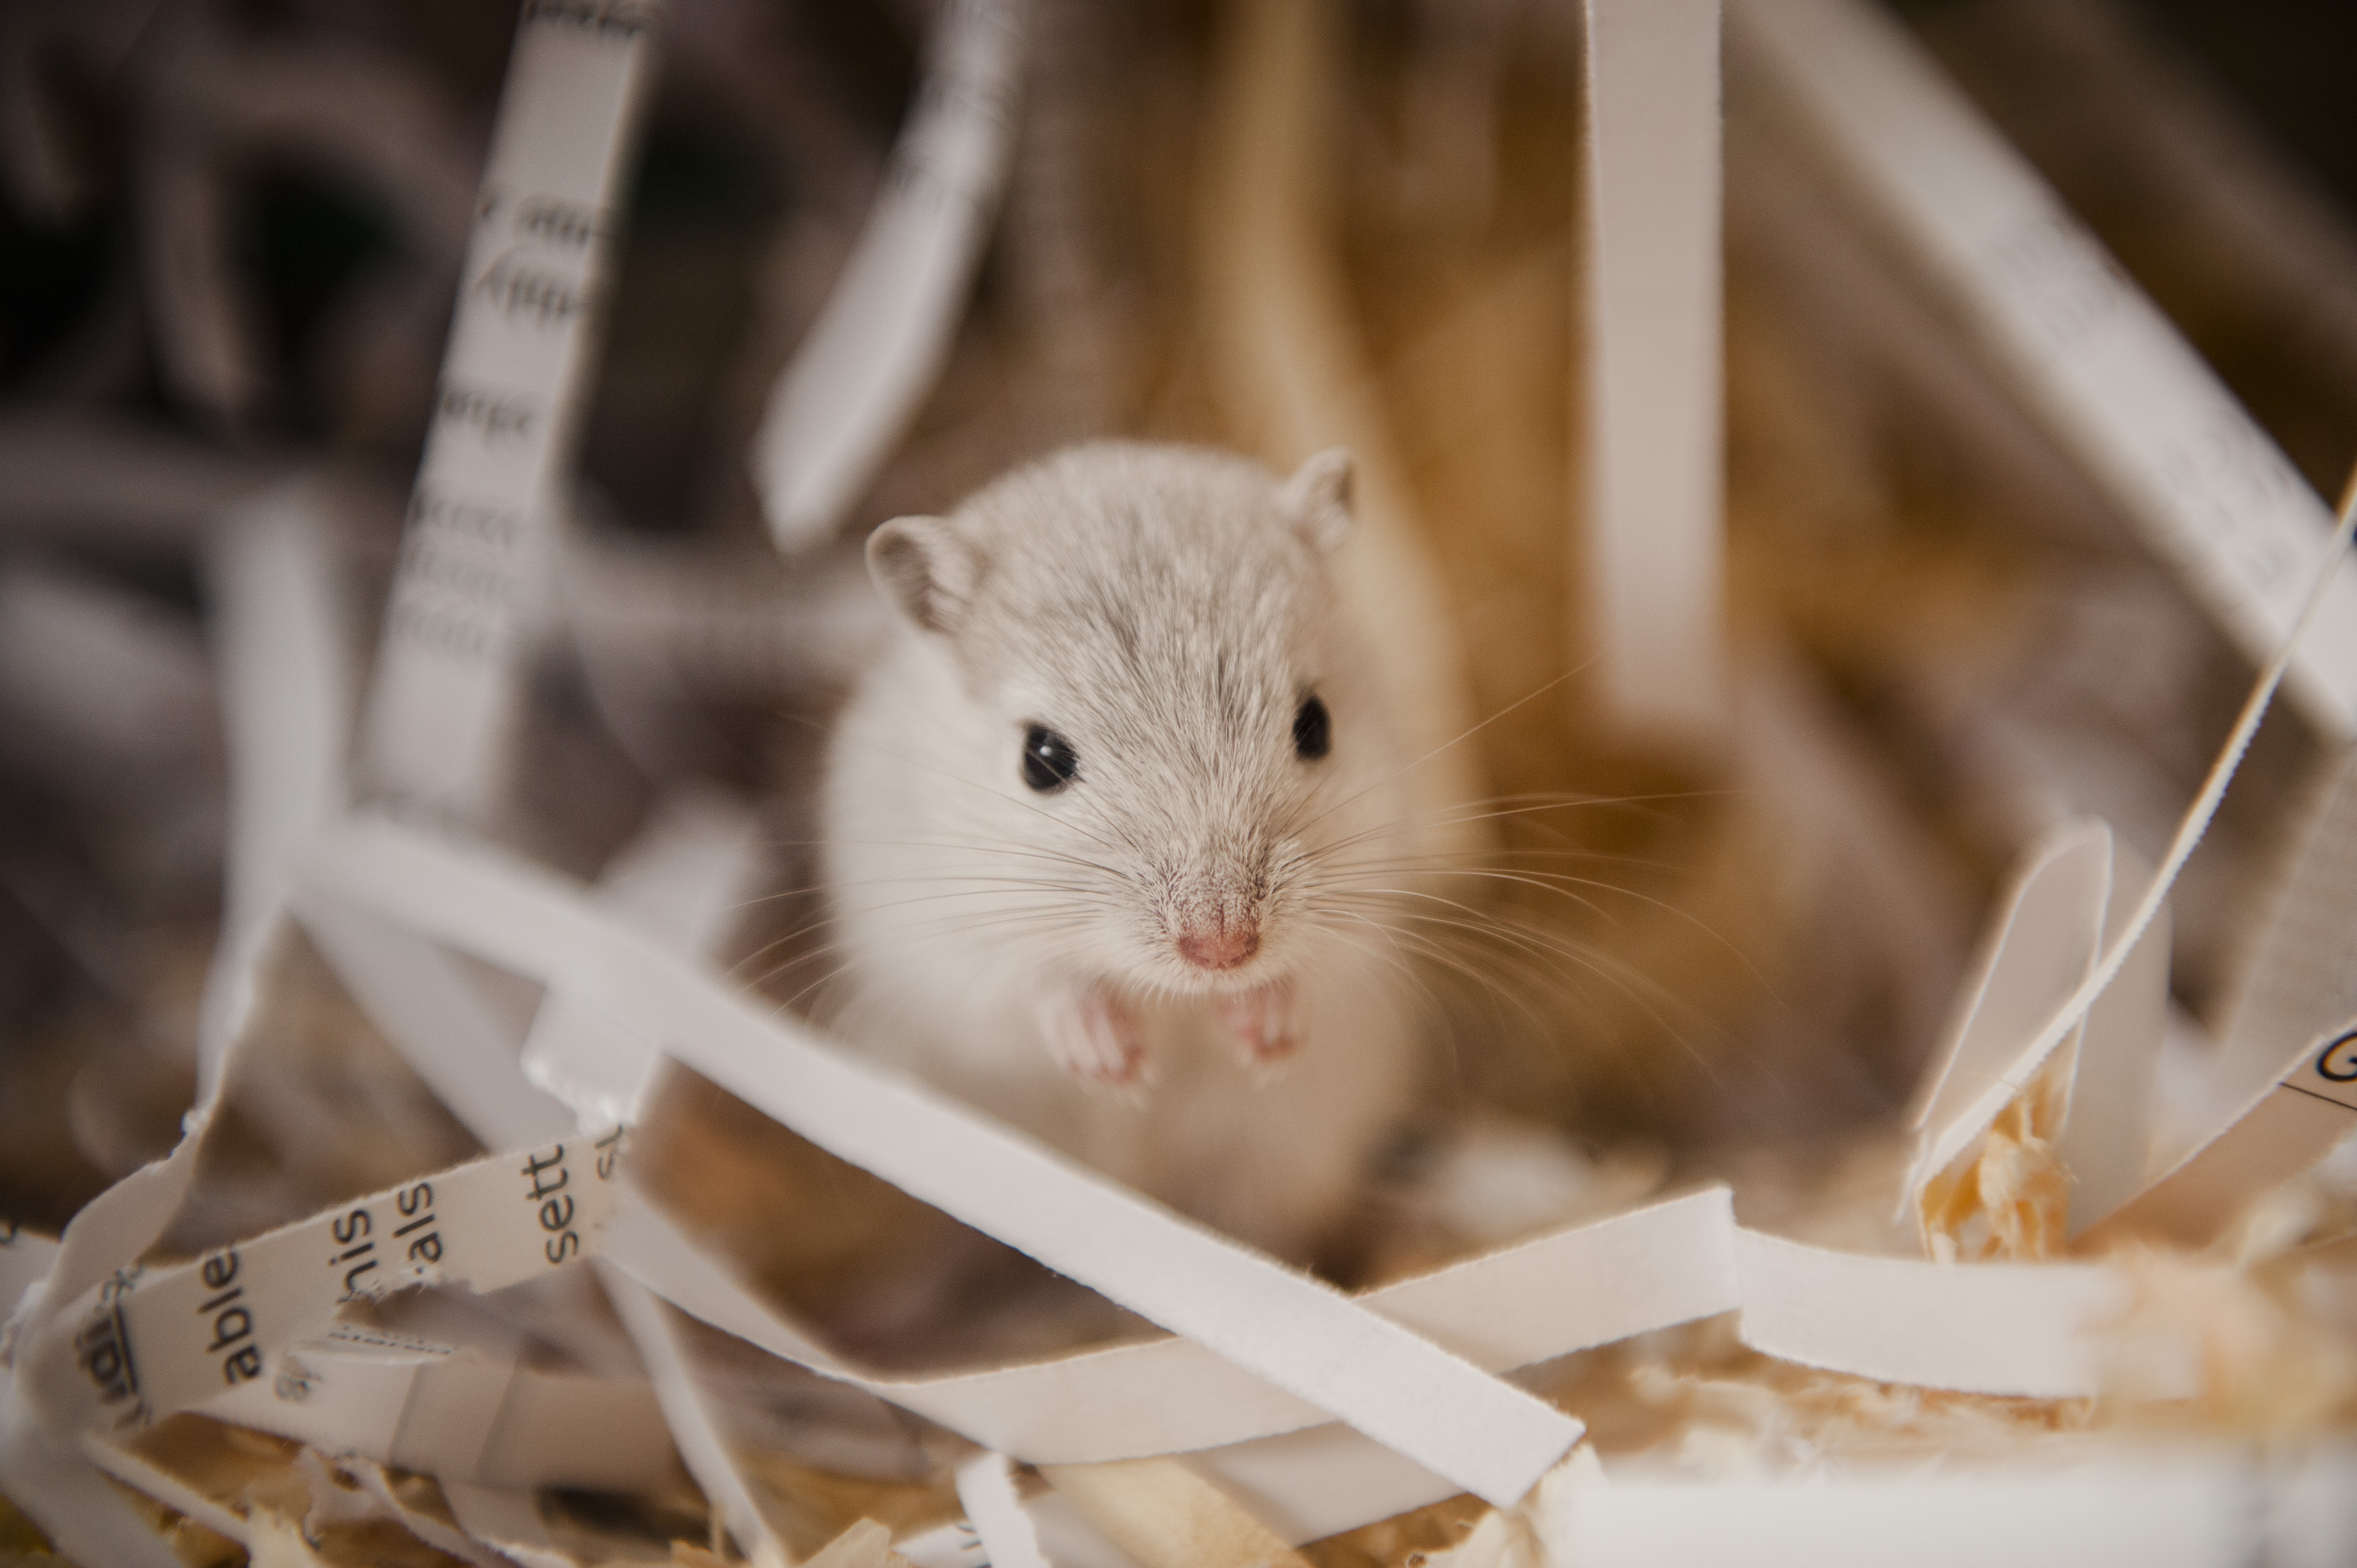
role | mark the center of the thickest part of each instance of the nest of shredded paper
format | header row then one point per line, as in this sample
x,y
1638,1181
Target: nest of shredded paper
x,y
1948,648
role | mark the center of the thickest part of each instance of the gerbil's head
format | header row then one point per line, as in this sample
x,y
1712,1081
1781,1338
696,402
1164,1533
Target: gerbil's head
x,y
1160,713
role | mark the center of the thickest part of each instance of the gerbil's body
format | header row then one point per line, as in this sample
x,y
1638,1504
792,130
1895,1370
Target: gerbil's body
x,y
1116,831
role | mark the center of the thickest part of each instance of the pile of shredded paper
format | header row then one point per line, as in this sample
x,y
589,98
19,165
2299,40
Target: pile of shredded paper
x,y
1845,481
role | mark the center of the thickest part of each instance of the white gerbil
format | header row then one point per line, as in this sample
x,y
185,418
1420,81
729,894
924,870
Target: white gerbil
x,y
1116,830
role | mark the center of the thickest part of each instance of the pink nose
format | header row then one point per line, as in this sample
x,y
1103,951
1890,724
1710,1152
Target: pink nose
x,y
1220,947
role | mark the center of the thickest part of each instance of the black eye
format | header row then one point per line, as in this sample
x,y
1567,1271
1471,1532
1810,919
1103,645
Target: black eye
x,y
1312,730
1049,763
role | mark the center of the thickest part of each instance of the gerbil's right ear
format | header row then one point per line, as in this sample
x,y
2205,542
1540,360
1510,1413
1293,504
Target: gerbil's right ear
x,y
1317,499
926,570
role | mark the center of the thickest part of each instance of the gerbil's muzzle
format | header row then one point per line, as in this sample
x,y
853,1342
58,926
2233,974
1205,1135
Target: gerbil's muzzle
x,y
1220,945
1214,920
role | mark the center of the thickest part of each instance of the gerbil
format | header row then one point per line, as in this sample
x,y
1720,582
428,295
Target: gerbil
x,y
1116,831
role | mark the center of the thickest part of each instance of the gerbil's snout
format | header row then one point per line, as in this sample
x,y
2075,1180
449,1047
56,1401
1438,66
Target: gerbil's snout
x,y
1212,907
1219,944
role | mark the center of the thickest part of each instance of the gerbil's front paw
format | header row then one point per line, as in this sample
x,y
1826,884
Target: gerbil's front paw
x,y
1093,1038
1266,1021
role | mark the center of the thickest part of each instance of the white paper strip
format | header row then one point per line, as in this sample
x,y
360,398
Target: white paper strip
x,y
681,878
1666,1263
1067,1540
2166,1512
2271,1138
2302,973
985,1488
2041,945
279,648
872,355
2176,149
2120,951
1655,388
683,881
1670,1263
701,1445
2106,1137
137,1473
507,1521
156,1342
474,554
2214,497
459,1414
2075,891
1993,1328
463,1050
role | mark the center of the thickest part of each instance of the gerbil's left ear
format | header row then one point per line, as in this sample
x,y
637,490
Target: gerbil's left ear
x,y
925,570
1317,499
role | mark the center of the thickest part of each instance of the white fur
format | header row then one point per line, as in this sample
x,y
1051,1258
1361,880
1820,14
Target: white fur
x,y
1165,610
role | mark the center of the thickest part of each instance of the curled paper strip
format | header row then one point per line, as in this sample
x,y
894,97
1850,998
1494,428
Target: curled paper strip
x,y
683,880
2301,976
2073,891
2042,939
2108,1123
2281,1132
985,1489
2051,892
2118,953
158,1341
1176,1396
2168,1511
134,1471
873,354
476,550
279,644
2214,497
703,1446
1998,1328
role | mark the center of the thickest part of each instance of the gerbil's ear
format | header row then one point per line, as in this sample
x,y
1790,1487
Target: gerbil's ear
x,y
1317,499
925,569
